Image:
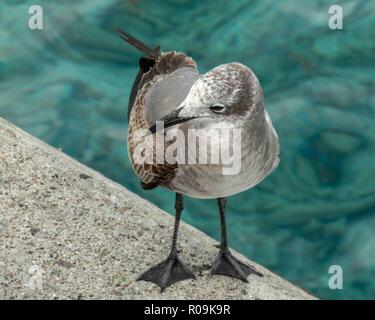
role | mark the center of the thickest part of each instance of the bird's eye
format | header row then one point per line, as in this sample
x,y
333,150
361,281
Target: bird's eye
x,y
218,108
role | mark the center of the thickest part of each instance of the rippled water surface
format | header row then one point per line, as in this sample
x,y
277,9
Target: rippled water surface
x,y
69,85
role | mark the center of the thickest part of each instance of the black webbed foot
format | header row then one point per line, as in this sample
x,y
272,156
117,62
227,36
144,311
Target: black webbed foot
x,y
167,273
226,264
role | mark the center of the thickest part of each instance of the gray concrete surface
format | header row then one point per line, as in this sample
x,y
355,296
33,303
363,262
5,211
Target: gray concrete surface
x,y
67,232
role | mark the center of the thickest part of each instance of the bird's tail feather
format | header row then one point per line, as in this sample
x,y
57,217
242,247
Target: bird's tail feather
x,y
151,53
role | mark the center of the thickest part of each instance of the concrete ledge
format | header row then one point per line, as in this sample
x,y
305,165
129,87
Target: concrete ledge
x,y
67,232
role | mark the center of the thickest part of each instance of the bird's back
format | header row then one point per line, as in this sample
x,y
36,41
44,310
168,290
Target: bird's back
x,y
158,92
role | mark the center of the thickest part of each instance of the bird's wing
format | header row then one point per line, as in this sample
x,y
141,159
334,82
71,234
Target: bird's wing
x,y
160,91
167,94
167,84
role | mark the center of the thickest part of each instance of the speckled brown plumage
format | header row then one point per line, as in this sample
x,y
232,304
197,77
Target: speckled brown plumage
x,y
153,175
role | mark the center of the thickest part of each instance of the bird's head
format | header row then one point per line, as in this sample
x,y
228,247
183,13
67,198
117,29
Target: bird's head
x,y
228,92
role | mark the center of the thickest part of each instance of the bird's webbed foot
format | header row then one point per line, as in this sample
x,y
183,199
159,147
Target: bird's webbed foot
x,y
226,264
167,272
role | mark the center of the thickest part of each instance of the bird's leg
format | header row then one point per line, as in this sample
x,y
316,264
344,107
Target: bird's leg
x,y
226,264
172,269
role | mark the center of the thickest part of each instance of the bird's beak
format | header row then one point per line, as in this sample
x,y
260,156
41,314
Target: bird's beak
x,y
170,119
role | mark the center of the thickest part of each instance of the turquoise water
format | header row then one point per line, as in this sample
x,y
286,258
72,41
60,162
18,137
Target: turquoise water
x,y
69,84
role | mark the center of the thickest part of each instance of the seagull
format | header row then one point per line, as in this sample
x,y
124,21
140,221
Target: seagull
x,y
169,89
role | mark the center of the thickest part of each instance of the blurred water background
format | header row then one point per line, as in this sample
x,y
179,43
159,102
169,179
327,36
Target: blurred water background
x,y
69,85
